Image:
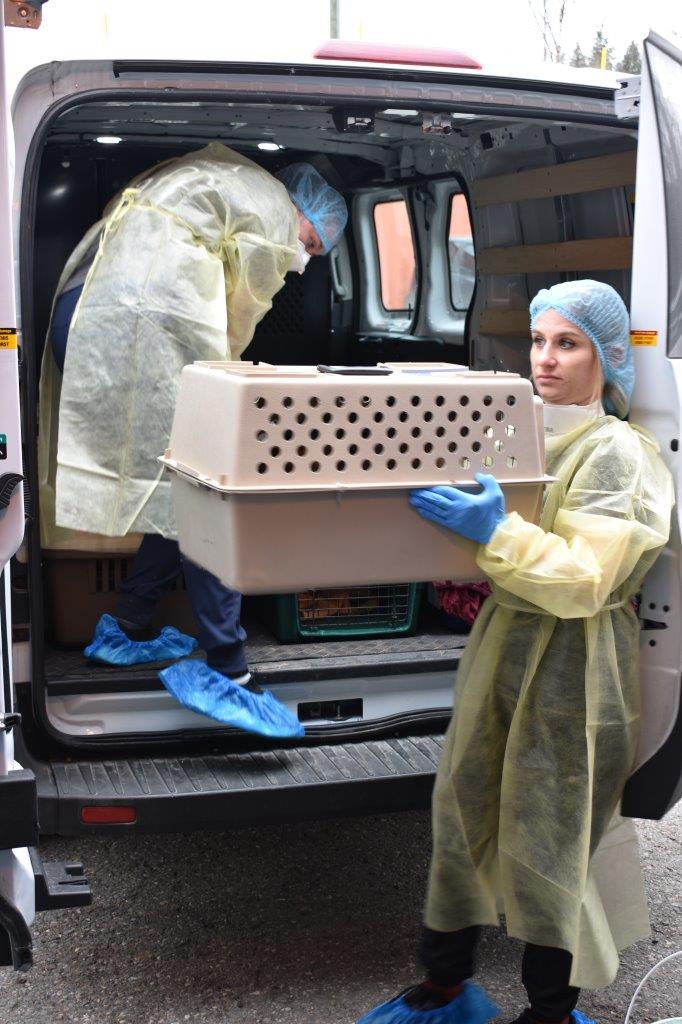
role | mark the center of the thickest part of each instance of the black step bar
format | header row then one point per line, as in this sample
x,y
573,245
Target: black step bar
x,y
216,790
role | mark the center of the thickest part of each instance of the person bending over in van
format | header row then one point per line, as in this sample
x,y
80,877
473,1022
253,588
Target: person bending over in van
x,y
183,265
544,729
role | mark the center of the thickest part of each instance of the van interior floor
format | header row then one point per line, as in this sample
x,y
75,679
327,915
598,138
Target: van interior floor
x,y
68,672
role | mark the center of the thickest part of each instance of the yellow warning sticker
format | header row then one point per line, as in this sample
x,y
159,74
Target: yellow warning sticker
x,y
644,338
8,337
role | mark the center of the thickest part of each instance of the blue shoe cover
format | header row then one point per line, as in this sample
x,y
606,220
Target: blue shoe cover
x,y
111,646
209,692
471,1006
579,1018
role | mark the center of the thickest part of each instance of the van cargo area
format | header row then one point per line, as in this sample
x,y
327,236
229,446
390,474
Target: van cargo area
x,y
547,189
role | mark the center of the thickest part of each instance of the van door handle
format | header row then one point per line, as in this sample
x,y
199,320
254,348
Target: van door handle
x,y
8,484
339,288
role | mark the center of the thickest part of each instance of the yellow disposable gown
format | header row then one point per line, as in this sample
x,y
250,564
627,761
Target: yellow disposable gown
x,y
544,731
189,259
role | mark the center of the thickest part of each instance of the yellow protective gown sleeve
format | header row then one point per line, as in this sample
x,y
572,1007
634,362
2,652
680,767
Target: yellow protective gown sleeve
x,y
544,731
189,260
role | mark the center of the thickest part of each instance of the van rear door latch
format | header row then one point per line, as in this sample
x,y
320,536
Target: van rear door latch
x,y
627,99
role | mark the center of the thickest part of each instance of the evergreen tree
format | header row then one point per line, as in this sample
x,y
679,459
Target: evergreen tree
x,y
578,60
632,61
600,42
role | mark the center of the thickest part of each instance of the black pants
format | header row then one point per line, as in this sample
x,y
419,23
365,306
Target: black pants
x,y
449,960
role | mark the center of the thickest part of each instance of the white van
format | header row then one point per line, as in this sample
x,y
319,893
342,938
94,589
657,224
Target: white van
x,y
468,192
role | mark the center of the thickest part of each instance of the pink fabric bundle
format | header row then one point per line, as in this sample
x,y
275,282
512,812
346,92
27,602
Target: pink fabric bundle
x,y
463,600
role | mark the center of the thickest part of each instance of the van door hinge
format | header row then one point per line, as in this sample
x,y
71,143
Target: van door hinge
x,y
24,13
626,99
10,720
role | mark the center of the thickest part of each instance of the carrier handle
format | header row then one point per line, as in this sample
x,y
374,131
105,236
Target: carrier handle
x,y
357,371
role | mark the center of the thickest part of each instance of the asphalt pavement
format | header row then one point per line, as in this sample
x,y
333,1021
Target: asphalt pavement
x,y
298,924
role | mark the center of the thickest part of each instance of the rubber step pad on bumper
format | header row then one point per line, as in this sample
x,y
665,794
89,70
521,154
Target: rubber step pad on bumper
x,y
213,791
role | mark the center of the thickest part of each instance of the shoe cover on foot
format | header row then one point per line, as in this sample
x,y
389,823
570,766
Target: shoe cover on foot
x,y
111,646
471,1006
203,689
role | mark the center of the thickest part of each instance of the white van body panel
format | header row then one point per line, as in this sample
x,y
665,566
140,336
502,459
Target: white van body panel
x,y
656,405
16,875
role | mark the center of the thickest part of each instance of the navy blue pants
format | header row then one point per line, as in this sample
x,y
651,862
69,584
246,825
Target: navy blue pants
x,y
216,609
158,562
61,321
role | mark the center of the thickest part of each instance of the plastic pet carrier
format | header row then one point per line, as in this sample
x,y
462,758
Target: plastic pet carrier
x,y
295,478
388,609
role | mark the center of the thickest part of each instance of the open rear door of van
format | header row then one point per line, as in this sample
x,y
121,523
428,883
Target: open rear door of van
x,y
656,320
25,884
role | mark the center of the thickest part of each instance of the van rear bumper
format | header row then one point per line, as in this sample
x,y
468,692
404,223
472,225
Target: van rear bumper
x,y
216,790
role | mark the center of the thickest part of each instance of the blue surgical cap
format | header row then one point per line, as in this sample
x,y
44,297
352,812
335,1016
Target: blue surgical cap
x,y
598,310
319,202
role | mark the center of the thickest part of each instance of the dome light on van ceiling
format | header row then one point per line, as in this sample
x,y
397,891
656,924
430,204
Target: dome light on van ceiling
x,y
387,53
269,147
109,140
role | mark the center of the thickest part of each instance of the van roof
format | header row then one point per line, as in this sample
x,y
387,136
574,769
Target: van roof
x,y
538,74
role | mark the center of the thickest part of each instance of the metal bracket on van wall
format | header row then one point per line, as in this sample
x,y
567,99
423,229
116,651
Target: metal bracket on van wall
x,y
437,124
353,122
24,13
626,99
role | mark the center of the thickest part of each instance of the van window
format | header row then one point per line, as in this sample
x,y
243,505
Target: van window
x,y
460,253
397,262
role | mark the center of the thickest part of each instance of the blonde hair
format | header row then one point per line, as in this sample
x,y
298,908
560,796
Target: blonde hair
x,y
599,382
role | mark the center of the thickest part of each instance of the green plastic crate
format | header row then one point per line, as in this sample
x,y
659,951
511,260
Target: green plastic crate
x,y
346,613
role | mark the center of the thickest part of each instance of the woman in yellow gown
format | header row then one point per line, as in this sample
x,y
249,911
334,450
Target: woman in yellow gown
x,y
543,735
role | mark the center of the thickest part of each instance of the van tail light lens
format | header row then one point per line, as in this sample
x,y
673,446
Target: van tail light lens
x,y
382,53
113,814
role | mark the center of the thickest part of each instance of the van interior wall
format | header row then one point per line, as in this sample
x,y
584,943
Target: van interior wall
x,y
523,240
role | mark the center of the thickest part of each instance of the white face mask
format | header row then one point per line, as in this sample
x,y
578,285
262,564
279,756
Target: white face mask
x,y
562,419
301,258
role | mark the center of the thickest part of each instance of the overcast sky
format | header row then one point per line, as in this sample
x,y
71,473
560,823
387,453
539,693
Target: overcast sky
x,y
499,33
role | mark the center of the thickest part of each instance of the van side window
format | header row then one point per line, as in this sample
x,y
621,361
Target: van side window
x,y
397,262
460,253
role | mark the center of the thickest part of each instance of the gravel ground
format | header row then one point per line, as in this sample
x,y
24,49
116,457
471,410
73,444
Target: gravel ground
x,y
299,924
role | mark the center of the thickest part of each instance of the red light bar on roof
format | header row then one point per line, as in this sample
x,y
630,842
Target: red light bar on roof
x,y
382,53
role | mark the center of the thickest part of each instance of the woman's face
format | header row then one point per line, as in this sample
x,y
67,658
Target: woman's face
x,y
565,366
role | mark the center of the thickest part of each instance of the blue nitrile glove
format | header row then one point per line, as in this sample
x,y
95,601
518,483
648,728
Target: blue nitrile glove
x,y
475,516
